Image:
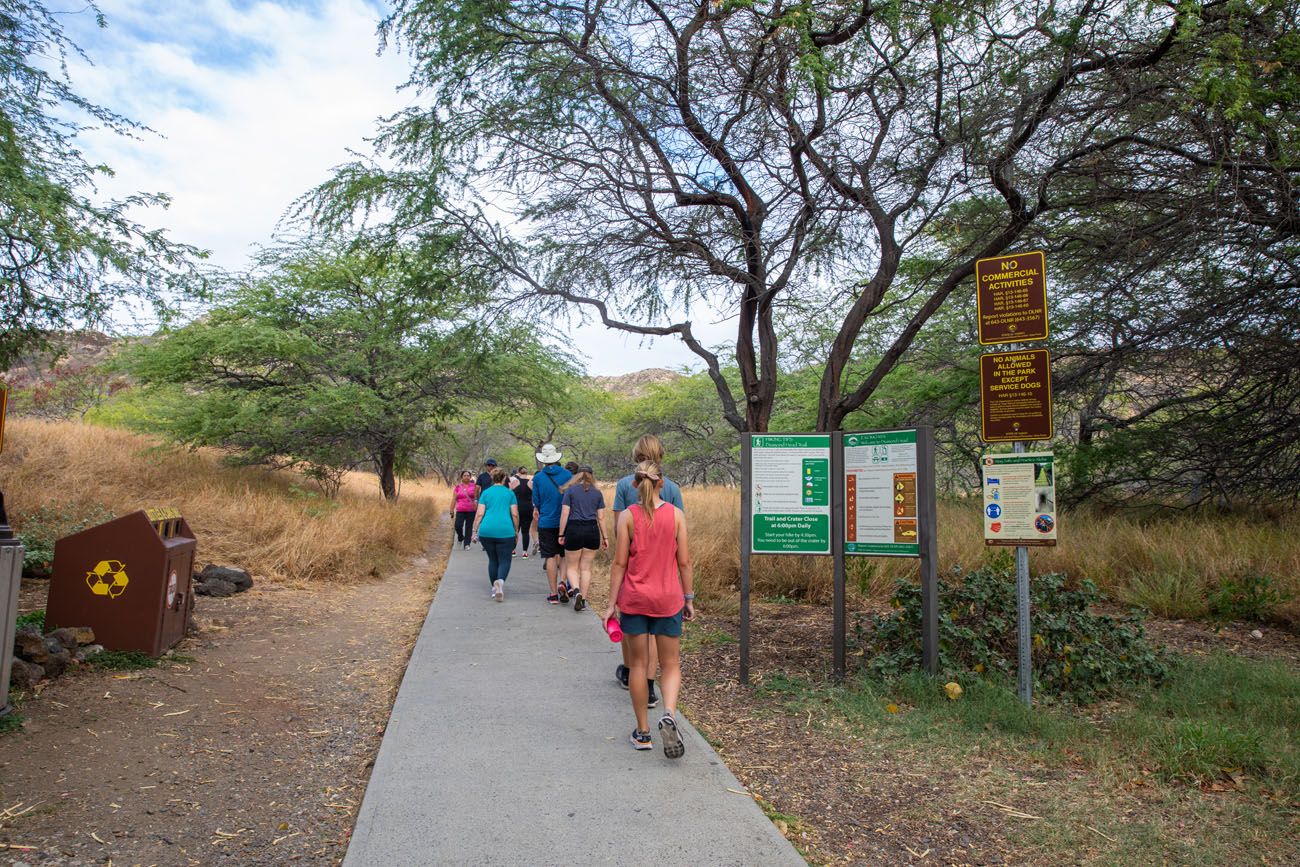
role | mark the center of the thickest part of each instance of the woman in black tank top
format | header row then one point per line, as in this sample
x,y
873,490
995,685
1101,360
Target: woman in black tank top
x,y
524,494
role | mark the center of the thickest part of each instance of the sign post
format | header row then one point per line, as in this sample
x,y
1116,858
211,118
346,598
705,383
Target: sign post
x,y
1015,405
785,506
889,511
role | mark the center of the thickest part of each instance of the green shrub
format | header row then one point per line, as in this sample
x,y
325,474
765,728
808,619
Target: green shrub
x,y
32,618
1250,597
1077,654
41,528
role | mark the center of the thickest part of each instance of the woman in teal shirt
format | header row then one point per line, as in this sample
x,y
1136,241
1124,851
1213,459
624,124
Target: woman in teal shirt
x,y
495,526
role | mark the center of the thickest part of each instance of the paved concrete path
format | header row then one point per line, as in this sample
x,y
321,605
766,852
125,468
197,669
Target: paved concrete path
x,y
508,746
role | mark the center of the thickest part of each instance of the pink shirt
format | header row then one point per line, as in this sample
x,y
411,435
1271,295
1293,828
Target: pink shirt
x,y
465,498
651,584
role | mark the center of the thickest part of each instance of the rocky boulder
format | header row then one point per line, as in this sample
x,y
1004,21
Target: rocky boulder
x,y
240,579
25,675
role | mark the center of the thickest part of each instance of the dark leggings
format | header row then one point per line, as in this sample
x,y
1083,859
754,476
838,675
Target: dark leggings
x,y
498,551
464,526
525,524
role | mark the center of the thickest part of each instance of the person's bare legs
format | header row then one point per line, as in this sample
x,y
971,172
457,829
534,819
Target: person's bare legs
x,y
572,562
586,558
553,565
670,674
652,661
636,648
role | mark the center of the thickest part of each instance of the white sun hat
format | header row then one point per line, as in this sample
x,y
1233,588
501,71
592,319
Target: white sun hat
x,y
548,455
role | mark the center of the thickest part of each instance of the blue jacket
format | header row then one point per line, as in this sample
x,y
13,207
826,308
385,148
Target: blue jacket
x,y
547,498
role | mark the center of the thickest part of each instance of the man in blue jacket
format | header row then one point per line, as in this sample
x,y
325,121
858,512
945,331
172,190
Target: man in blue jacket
x,y
548,502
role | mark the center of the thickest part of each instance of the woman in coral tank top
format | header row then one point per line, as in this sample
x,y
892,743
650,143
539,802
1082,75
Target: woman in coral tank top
x,y
650,588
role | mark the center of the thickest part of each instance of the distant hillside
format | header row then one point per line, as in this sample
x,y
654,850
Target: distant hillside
x,y
636,384
71,351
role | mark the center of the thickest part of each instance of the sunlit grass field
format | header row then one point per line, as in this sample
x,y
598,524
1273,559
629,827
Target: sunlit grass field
x,y
275,524
1167,564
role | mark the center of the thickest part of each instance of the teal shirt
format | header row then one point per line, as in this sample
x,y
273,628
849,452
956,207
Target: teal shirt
x,y
496,502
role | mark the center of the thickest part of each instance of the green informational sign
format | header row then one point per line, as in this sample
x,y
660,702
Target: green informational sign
x,y
880,494
790,493
816,482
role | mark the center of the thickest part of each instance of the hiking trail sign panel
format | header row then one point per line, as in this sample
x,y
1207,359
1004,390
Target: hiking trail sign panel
x,y
1015,396
790,493
1011,295
1020,499
880,496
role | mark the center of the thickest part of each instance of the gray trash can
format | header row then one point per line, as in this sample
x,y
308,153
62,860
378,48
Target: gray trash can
x,y
11,575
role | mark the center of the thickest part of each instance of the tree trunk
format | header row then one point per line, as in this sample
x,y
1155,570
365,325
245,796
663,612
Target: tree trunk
x,y
386,461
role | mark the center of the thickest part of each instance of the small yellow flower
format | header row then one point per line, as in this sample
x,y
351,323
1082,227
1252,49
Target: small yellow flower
x,y
891,707
953,689
979,668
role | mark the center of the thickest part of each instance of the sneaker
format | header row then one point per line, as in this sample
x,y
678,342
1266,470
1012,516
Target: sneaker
x,y
514,554
553,599
674,746
653,700
641,740
525,555
499,590
579,603
620,674
562,590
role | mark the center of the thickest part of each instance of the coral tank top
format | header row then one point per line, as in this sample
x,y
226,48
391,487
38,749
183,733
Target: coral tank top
x,y
651,585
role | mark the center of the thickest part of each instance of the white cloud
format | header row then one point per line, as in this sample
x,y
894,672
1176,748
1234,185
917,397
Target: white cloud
x,y
253,104
252,108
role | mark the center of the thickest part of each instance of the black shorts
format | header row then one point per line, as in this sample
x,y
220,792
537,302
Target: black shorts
x,y
582,535
548,542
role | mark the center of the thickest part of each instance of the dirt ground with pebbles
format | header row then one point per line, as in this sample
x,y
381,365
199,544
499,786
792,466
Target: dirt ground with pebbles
x,y
250,745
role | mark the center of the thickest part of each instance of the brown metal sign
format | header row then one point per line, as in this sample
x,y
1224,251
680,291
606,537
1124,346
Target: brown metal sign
x,y
1015,396
1011,294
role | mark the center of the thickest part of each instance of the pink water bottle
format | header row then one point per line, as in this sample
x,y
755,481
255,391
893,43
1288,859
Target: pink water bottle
x,y
615,631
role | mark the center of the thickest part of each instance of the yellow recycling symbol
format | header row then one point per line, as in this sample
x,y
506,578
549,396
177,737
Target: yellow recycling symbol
x,y
108,578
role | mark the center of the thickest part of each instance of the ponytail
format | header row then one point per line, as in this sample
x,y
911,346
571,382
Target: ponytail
x,y
647,480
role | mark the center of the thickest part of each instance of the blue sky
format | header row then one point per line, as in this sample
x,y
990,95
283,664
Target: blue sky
x,y
253,103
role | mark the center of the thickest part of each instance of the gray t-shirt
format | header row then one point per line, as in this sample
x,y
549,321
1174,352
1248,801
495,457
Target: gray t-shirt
x,y
583,504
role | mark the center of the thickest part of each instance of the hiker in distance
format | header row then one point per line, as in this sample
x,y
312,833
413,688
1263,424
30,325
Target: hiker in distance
x,y
548,502
523,488
484,480
582,533
495,526
464,503
648,448
650,588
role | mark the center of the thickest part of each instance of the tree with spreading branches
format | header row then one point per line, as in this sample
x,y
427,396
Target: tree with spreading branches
x,y
67,256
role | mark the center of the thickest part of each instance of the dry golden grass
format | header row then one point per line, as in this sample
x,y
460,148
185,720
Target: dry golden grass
x,y
272,523
1167,564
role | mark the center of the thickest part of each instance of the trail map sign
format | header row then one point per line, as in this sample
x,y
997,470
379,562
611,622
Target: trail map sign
x,y
1015,396
1011,294
1020,499
790,493
880,494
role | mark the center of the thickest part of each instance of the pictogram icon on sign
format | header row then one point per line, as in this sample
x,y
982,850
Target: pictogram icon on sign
x,y
108,578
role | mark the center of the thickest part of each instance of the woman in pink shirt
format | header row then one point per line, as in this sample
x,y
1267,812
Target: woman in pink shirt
x,y
650,586
464,503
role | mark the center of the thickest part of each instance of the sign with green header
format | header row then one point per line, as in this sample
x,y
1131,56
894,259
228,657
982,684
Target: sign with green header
x,y
790,494
880,494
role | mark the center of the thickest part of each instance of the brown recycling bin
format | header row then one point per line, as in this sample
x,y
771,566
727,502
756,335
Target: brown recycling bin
x,y
128,579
